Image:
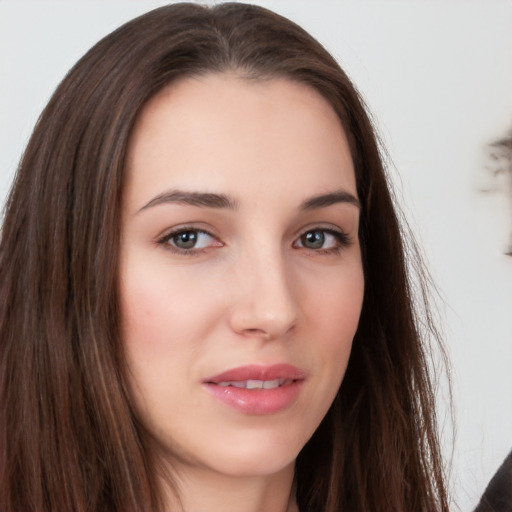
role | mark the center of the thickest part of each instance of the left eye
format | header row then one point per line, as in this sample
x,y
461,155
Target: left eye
x,y
322,239
190,239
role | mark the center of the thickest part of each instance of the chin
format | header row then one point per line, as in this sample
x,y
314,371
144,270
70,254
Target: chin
x,y
253,465
261,453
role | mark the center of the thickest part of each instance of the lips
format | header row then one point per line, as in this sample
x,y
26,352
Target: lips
x,y
257,389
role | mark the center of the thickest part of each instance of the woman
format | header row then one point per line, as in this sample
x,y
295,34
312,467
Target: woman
x,y
199,236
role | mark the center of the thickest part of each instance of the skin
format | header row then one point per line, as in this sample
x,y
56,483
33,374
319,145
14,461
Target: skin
x,y
254,290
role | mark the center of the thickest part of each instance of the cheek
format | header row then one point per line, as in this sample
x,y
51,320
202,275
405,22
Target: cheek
x,y
162,337
336,309
160,330
335,315
146,320
160,308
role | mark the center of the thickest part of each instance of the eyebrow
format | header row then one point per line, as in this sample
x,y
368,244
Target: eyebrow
x,y
202,199
223,201
324,200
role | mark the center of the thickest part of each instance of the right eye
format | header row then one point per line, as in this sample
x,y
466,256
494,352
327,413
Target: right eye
x,y
189,241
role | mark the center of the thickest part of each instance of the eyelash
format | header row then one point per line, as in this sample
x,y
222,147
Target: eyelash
x,y
343,240
165,241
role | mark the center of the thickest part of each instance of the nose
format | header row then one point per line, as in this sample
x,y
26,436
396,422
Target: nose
x,y
265,304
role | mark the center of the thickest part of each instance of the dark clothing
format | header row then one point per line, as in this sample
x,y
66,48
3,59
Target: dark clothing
x,y
498,495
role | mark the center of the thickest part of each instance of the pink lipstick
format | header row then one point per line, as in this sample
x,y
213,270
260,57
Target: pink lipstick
x,y
256,389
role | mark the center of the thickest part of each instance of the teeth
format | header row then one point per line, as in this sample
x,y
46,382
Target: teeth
x,y
254,384
271,384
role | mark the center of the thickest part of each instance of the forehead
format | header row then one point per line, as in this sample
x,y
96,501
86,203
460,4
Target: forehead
x,y
220,129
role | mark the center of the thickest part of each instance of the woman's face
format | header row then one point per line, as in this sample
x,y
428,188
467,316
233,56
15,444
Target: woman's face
x,y
241,275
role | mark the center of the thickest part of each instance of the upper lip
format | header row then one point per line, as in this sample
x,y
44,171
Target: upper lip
x,y
258,372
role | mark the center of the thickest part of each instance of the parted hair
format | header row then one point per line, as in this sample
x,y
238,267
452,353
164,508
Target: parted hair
x,y
70,437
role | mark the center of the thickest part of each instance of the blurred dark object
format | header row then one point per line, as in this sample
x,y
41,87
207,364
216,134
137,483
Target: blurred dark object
x,y
498,495
501,151
501,154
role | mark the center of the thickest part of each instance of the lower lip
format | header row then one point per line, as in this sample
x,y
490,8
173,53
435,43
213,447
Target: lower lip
x,y
257,401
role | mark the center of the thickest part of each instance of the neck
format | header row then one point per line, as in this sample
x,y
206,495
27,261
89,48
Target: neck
x,y
205,491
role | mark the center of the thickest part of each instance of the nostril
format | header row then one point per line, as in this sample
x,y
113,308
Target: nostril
x,y
257,332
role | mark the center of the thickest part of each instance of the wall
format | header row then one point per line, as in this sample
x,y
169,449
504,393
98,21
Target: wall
x,y
438,77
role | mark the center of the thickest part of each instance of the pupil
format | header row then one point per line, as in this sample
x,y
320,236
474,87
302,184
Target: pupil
x,y
186,240
314,240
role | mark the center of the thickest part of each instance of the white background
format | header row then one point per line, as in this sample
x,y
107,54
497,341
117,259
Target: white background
x,y
438,77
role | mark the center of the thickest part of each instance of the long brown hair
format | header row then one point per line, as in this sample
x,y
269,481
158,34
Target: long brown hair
x,y
70,437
